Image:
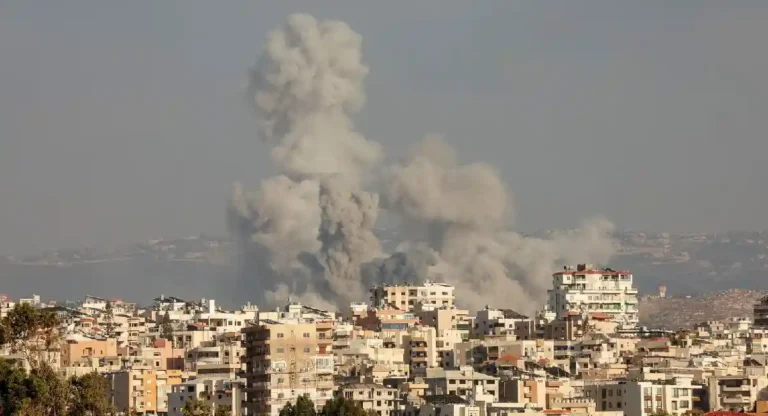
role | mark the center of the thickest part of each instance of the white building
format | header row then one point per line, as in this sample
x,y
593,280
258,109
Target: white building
x,y
406,296
586,289
225,393
496,321
644,398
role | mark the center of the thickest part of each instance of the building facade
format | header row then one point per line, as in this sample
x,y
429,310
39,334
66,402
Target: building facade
x,y
406,297
585,289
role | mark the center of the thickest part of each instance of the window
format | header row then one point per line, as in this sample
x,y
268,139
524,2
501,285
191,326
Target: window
x,y
279,334
306,335
618,392
674,405
280,350
306,349
684,404
451,381
675,393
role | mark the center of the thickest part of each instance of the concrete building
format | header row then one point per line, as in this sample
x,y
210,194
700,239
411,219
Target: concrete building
x,y
643,398
284,361
736,392
382,400
406,297
496,322
584,289
134,389
761,313
76,347
464,382
219,393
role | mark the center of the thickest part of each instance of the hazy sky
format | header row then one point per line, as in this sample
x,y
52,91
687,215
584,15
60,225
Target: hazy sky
x,y
125,120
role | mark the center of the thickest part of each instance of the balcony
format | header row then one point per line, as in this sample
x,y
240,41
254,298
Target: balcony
x,y
737,400
742,387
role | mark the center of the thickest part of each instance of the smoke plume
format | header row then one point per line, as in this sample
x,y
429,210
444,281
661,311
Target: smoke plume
x,y
463,213
310,231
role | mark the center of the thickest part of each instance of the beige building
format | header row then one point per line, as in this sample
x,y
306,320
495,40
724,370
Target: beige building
x,y
373,397
735,392
644,398
134,389
219,393
464,382
284,361
76,348
406,297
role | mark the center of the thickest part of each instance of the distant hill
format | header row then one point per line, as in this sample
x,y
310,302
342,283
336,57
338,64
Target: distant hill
x,y
676,313
688,264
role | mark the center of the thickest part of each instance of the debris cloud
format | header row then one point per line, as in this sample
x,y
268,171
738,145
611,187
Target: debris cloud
x,y
310,230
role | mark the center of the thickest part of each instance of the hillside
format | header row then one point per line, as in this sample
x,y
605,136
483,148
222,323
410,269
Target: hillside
x,y
674,313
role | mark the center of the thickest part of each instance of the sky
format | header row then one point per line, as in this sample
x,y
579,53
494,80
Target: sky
x,y
124,121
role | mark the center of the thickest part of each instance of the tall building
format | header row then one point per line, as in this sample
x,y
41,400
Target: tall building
x,y
285,361
761,313
406,297
585,289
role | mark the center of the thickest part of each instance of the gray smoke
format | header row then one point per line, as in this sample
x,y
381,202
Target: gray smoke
x,y
462,212
309,231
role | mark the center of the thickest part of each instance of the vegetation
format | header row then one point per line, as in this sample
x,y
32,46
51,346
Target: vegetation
x,y
34,334
222,411
196,407
337,406
30,332
109,320
166,329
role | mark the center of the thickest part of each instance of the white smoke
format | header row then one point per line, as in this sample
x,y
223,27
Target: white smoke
x,y
309,231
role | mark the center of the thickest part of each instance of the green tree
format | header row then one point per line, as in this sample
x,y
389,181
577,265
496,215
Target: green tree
x,y
89,396
109,320
166,328
339,406
41,392
15,388
222,411
30,332
303,407
196,407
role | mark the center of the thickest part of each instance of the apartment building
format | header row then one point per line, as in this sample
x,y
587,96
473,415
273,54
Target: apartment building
x,y
420,346
406,297
464,382
134,389
735,392
382,400
643,398
219,393
76,347
585,289
760,311
284,361
490,321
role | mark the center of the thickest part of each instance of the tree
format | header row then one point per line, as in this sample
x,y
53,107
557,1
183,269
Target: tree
x,y
303,407
89,396
196,407
30,332
166,329
339,406
222,411
41,392
109,320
